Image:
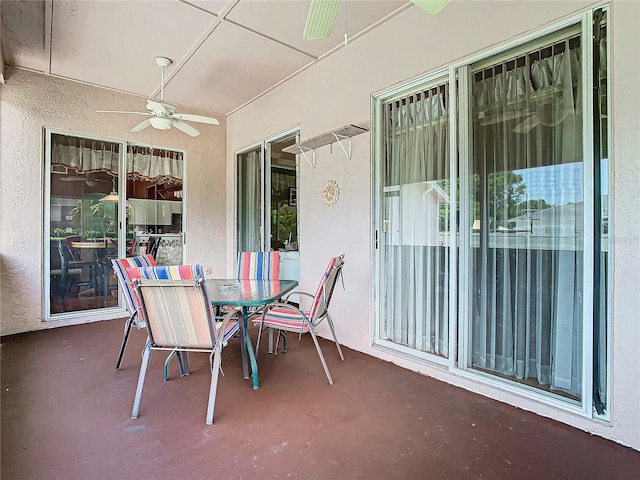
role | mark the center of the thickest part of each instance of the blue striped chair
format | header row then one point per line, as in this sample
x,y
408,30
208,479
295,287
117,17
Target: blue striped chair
x,y
287,317
120,266
261,266
179,315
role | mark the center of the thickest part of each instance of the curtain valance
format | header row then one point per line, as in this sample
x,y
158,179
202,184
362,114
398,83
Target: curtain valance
x,y
86,155
154,164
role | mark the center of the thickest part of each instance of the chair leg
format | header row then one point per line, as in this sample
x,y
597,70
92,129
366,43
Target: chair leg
x,y
183,363
215,372
324,364
146,356
127,330
335,339
282,335
258,339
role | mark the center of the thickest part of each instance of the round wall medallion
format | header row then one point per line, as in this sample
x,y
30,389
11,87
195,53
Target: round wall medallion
x,y
330,192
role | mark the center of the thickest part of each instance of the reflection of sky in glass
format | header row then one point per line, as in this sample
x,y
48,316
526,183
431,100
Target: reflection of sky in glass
x,y
558,184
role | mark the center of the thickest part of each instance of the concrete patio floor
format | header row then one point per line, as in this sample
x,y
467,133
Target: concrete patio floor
x,y
66,415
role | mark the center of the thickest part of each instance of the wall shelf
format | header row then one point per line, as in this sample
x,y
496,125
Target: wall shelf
x,y
334,136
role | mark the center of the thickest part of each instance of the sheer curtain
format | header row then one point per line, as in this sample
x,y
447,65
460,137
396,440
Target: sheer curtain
x,y
416,205
249,201
527,237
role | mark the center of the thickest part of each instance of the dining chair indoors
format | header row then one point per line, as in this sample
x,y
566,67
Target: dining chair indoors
x,y
120,266
287,317
179,315
73,269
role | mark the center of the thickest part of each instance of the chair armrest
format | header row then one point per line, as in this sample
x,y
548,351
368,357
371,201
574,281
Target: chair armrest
x,y
237,311
288,306
286,298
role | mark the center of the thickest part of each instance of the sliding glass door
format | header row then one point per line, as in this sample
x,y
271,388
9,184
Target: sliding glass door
x,y
267,201
82,227
523,226
94,213
415,206
527,212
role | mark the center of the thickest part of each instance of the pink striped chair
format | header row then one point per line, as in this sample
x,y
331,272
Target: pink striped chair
x,y
179,316
120,266
287,317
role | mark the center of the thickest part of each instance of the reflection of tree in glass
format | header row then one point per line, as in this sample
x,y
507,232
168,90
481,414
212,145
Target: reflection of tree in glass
x,y
506,198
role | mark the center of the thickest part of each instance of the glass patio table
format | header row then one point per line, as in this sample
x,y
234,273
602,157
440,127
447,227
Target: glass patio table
x,y
247,294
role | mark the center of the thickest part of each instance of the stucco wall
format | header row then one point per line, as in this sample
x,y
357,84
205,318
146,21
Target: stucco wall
x,y
338,91
29,102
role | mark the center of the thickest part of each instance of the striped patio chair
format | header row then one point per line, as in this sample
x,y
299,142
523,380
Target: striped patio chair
x,y
177,272
258,265
287,317
179,315
120,266
261,266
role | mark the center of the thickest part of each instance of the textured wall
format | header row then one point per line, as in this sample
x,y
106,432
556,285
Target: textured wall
x,y
30,102
338,91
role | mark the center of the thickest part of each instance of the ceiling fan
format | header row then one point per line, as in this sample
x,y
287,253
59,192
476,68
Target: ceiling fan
x,y
547,107
551,109
89,179
164,116
322,16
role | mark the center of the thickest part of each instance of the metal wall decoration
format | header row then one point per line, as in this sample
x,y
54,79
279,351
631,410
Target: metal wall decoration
x,y
330,193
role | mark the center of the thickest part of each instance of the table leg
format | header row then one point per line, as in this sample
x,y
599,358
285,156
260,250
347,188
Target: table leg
x,y
252,356
243,345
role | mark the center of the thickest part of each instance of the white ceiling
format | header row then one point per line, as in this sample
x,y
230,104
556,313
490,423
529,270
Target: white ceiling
x,y
225,53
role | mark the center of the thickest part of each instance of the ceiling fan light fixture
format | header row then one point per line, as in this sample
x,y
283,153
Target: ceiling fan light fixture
x,y
161,123
112,197
430,6
320,19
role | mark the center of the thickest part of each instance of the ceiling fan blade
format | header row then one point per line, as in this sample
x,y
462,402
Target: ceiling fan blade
x,y
78,178
320,19
499,117
195,118
141,126
430,6
122,111
528,124
188,129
